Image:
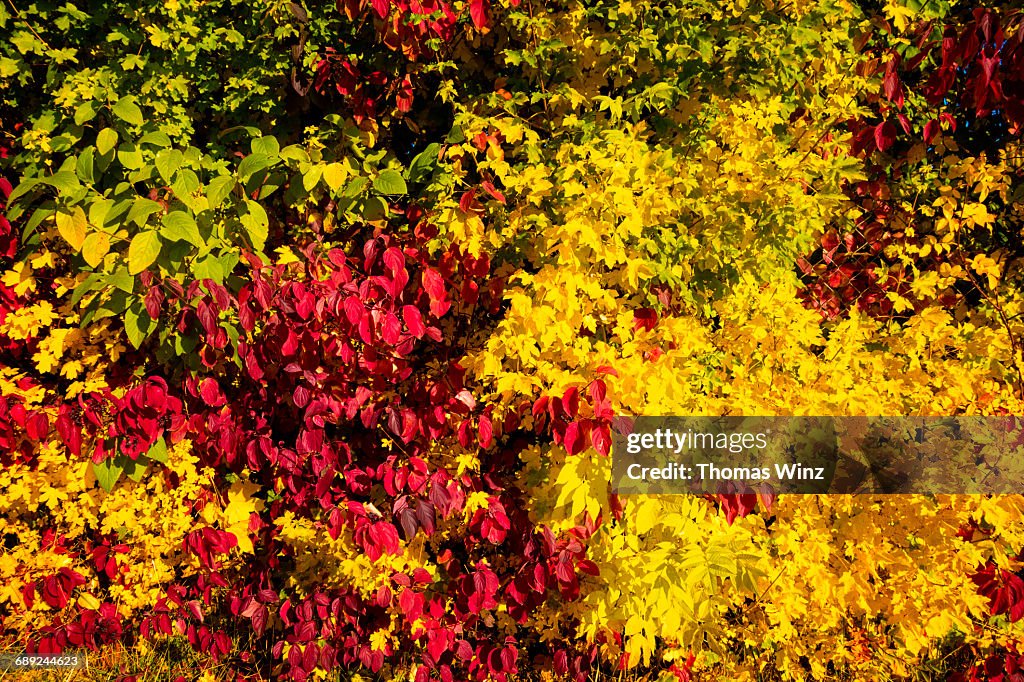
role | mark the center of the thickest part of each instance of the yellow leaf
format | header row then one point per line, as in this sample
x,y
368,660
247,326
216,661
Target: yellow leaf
x,y
72,227
335,174
95,247
88,601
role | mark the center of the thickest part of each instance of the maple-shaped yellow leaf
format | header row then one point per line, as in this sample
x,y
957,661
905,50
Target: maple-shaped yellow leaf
x,y
235,517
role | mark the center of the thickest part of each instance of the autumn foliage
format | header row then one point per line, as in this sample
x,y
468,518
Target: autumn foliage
x,y
315,319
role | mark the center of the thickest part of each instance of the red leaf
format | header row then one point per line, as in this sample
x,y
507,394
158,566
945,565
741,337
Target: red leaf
x,y
392,329
394,260
382,7
885,135
478,12
414,321
433,282
602,438
486,432
572,440
904,123
354,309
490,189
766,494
891,84
571,401
644,318
466,200
931,129
37,426
210,392
405,95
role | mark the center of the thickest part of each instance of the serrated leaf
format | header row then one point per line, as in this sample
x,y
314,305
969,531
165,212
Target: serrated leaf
x,y
180,226
95,247
390,181
106,140
143,251
107,473
72,226
128,111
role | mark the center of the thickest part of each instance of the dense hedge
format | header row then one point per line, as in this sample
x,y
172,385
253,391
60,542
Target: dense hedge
x,y
315,319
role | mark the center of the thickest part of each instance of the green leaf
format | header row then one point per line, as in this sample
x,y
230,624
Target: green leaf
x,y
422,165
219,189
137,324
120,279
128,111
95,247
143,251
130,156
209,268
167,162
86,112
23,188
63,181
311,177
294,152
374,208
72,226
107,473
106,140
185,186
134,470
355,186
158,451
157,138
99,209
255,222
267,145
83,167
90,283
253,164
180,226
390,181
142,209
